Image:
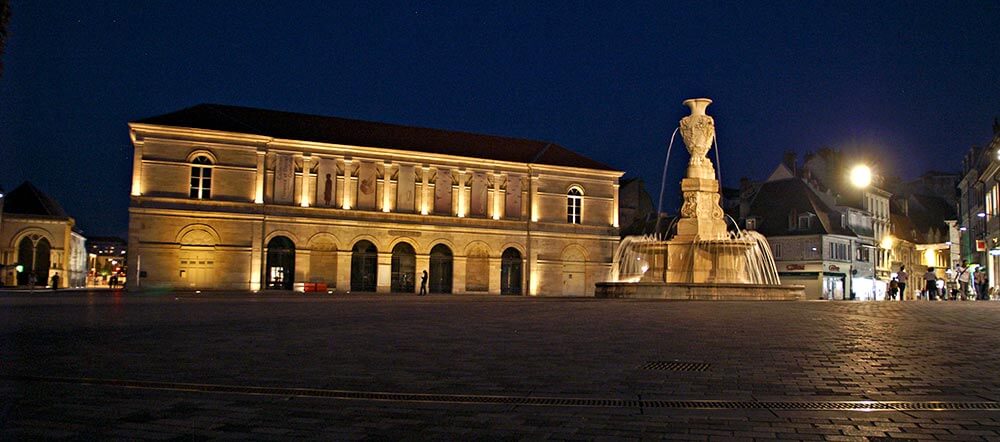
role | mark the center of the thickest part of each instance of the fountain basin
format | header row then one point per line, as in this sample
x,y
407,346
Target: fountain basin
x,y
703,291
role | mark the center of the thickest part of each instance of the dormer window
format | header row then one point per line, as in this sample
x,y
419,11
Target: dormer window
x,y
752,223
804,220
201,177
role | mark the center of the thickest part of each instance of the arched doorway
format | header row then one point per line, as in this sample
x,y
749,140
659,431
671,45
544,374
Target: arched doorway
x,y
364,267
441,267
510,272
404,267
33,253
280,263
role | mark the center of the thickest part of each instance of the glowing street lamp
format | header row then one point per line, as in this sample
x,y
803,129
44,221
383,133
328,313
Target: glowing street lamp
x,y
861,176
888,241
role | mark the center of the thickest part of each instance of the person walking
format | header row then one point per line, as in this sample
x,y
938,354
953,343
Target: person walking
x,y
930,287
893,289
55,282
963,277
902,277
423,284
981,282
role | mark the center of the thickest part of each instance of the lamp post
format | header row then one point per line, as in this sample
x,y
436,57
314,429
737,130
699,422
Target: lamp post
x,y
860,177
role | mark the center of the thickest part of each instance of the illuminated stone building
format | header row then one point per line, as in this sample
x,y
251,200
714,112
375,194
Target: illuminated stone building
x,y
227,197
979,206
38,236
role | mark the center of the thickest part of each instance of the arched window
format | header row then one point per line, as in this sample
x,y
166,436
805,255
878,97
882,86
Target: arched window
x,y
201,177
574,206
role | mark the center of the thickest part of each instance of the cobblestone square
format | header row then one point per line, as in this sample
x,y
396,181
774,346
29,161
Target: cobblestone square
x,y
275,367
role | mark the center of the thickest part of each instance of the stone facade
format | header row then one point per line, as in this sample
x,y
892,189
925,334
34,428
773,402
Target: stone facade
x,y
36,234
307,215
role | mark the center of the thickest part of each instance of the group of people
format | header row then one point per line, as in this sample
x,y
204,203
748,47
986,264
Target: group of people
x,y
965,283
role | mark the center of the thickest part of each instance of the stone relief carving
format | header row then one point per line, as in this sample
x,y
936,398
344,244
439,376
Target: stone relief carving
x,y
701,205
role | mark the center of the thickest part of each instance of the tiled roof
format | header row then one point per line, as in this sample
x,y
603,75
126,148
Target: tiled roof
x,y
295,126
777,199
27,199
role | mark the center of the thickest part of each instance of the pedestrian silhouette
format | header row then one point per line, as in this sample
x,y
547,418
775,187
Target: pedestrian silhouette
x,y
423,284
55,281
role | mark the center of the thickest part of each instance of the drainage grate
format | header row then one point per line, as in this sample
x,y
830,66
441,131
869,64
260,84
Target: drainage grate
x,y
675,366
513,400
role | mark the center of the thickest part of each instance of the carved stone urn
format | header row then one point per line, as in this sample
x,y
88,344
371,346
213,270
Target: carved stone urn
x,y
701,214
698,131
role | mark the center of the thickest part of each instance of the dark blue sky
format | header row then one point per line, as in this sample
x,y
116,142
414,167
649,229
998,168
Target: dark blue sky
x,y
911,85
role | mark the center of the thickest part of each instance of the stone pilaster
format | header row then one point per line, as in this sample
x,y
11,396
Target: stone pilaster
x,y
344,271
386,188
495,264
497,201
458,274
384,282
259,183
348,203
306,182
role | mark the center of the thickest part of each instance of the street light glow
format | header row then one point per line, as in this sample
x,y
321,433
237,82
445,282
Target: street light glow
x,y
981,214
861,176
888,241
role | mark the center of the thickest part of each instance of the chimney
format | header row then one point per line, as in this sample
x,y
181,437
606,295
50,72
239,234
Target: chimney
x,y
789,161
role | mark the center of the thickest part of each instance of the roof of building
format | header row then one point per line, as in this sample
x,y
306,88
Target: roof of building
x,y
928,212
27,199
903,229
316,128
776,200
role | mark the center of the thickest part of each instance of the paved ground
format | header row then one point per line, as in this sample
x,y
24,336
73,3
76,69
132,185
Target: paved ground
x,y
169,366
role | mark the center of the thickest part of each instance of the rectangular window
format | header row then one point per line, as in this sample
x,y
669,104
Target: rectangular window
x,y
201,182
776,250
751,223
863,254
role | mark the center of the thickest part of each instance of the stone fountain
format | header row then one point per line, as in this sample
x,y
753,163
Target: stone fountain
x,y
703,260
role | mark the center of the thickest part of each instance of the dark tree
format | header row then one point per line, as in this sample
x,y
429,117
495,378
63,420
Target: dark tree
x,y
4,18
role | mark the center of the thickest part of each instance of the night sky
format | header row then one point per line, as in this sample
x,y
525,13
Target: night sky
x,y
909,86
